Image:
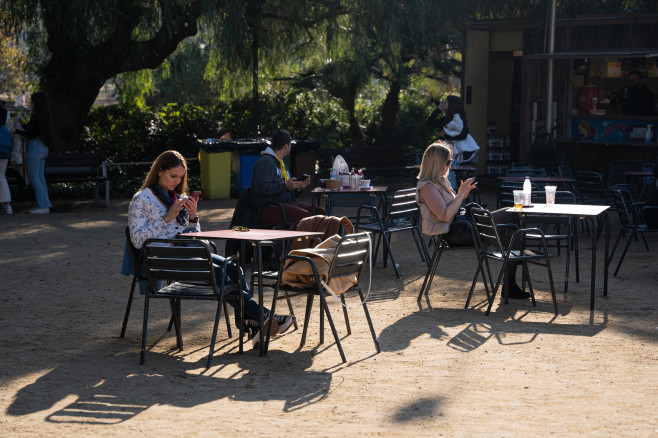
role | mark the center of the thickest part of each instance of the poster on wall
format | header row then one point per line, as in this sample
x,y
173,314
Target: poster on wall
x,y
618,131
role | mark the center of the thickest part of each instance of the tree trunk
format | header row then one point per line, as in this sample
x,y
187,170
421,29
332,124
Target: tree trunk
x,y
77,68
390,110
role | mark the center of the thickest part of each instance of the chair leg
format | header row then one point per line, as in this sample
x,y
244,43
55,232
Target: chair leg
x,y
292,312
228,320
307,317
175,315
372,328
218,315
345,315
144,326
323,304
130,303
431,271
566,270
623,254
387,252
495,288
421,249
550,280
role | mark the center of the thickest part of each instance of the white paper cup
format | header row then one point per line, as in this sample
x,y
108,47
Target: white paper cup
x,y
550,194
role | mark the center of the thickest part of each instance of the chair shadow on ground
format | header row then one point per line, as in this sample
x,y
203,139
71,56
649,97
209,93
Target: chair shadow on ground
x,y
108,386
508,325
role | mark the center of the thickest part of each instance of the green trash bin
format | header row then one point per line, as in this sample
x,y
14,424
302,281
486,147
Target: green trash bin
x,y
215,164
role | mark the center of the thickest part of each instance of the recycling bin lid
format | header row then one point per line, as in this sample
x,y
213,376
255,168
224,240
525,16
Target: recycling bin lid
x,y
211,145
305,144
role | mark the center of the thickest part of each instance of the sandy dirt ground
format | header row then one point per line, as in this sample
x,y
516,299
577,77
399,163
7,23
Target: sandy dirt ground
x,y
443,370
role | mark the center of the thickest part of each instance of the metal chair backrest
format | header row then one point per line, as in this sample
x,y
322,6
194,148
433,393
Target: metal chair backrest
x,y
184,260
591,188
402,209
486,231
521,165
617,168
351,256
525,172
621,198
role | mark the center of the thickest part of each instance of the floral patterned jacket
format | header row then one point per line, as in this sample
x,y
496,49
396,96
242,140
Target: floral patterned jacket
x,y
145,220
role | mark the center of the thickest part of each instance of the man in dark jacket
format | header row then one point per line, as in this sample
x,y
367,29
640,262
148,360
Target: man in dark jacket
x,y
636,99
271,184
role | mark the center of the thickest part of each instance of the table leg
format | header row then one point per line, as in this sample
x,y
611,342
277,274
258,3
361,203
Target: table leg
x,y
261,331
241,263
593,273
607,250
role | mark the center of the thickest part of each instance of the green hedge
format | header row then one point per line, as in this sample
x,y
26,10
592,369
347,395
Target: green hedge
x,y
131,134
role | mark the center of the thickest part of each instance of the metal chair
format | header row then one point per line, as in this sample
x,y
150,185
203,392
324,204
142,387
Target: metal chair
x,y
140,278
440,245
617,168
269,276
187,266
591,189
569,236
628,224
490,247
349,260
402,215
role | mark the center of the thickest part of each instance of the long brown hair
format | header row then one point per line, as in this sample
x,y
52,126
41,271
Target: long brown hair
x,y
167,160
433,167
455,106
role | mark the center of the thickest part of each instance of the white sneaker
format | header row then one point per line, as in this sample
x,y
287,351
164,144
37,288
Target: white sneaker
x,y
37,210
255,330
6,209
285,321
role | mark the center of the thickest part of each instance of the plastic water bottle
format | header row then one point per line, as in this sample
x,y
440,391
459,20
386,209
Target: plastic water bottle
x,y
333,174
527,192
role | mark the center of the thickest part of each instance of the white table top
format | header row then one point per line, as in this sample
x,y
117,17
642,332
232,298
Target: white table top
x,y
568,209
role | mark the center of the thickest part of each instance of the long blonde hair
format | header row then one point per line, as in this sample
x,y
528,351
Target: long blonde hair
x,y
433,167
167,160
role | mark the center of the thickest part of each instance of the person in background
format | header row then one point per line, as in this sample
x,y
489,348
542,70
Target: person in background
x,y
636,99
161,210
439,204
271,183
6,145
453,128
40,132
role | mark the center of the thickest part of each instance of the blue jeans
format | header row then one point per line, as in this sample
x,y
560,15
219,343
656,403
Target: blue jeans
x,y
35,158
233,275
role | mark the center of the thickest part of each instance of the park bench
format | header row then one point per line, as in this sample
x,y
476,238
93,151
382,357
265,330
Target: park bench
x,y
76,167
378,163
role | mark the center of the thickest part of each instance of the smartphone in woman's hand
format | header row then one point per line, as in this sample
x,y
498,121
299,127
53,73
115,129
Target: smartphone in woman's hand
x,y
196,195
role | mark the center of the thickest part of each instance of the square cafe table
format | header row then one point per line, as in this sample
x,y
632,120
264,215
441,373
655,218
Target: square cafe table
x,y
257,237
593,213
318,192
